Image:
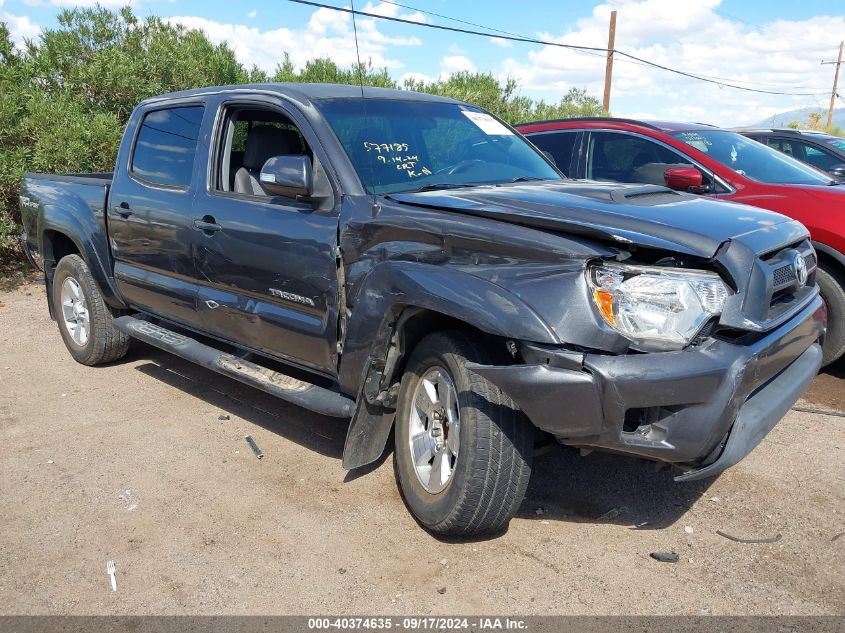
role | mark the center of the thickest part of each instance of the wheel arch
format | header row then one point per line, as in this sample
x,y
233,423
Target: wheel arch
x,y
373,420
831,259
62,234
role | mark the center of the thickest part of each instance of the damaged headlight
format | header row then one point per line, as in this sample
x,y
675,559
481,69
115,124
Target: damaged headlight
x,y
656,308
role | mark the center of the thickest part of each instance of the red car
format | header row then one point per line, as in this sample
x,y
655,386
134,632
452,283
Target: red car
x,y
710,161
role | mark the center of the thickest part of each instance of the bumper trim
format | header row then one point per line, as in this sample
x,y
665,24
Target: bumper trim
x,y
762,412
560,401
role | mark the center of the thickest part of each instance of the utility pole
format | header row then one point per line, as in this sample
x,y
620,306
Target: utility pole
x,y
608,71
838,63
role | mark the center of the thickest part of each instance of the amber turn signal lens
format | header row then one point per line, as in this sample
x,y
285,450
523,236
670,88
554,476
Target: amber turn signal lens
x,y
604,300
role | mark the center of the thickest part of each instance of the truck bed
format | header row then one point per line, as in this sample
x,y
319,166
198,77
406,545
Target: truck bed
x,y
83,195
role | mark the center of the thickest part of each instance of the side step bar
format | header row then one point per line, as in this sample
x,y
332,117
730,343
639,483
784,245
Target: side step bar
x,y
303,394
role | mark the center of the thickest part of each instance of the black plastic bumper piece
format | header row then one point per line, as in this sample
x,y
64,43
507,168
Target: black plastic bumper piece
x,y
298,392
762,412
675,407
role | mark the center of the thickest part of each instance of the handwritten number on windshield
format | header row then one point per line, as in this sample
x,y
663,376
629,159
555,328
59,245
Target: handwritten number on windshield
x,y
396,154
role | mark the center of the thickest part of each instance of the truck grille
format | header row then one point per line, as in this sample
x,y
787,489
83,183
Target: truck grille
x,y
786,292
783,275
786,274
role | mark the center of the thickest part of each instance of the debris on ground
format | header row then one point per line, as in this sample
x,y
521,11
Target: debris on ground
x,y
665,557
688,529
341,570
540,512
110,571
223,417
126,497
715,499
254,446
442,590
49,461
837,536
444,561
737,539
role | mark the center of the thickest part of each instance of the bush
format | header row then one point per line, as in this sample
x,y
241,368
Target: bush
x,y
65,99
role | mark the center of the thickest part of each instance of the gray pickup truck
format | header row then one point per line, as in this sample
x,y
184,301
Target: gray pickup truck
x,y
411,263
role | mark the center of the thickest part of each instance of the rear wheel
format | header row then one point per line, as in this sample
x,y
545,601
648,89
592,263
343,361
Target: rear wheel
x,y
832,289
85,320
463,450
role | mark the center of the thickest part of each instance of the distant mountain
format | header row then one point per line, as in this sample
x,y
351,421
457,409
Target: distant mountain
x,y
783,119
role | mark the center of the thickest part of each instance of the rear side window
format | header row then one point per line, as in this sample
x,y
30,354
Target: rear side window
x,y
166,145
559,145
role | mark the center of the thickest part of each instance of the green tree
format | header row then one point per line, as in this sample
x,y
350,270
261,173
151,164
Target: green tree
x,y
65,98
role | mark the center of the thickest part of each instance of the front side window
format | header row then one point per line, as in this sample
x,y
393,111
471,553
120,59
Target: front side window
x,y
250,137
752,159
398,146
166,146
626,158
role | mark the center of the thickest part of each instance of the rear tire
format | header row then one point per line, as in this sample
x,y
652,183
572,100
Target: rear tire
x,y
488,460
86,322
832,289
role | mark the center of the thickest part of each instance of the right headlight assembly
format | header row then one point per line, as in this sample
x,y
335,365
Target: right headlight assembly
x,y
657,309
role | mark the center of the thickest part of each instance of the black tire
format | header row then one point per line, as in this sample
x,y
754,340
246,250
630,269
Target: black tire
x,y
493,464
104,342
832,289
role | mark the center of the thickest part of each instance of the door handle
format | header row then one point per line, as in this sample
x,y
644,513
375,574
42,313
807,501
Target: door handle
x,y
123,210
207,225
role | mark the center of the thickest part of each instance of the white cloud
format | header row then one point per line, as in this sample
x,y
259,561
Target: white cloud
x,y
455,63
327,34
21,27
393,11
252,14
498,41
698,40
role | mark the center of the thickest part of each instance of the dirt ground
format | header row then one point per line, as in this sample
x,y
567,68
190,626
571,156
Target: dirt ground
x,y
133,463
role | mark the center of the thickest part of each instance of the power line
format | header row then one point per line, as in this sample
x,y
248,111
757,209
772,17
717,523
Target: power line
x,y
515,38
629,61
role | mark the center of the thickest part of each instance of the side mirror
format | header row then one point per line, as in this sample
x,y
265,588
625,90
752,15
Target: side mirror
x,y
288,176
837,171
683,179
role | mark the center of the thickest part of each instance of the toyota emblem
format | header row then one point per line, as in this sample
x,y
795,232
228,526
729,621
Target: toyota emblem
x,y
800,267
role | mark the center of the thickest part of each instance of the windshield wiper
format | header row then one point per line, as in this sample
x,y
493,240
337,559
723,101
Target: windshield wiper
x,y
521,179
434,186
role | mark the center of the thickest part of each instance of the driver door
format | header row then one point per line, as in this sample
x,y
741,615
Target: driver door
x,y
266,264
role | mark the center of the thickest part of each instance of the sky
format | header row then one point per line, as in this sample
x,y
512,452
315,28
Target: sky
x,y
774,45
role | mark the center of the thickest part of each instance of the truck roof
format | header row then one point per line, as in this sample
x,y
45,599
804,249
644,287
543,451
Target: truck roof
x,y
306,92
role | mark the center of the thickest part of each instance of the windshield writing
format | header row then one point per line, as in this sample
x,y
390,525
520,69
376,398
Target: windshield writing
x,y
397,145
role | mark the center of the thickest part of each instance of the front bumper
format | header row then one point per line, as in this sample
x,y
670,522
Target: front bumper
x,y
702,409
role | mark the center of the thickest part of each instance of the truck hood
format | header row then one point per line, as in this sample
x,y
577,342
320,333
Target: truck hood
x,y
649,216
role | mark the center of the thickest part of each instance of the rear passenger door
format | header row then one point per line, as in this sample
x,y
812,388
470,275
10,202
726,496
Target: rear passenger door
x,y
268,268
149,213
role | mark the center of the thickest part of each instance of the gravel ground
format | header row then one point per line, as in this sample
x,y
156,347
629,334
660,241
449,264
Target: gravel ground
x,y
144,462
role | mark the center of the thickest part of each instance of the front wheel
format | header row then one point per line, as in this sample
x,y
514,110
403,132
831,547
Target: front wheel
x,y
832,289
463,450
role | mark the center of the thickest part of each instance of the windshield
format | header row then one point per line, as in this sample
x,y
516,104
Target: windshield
x,y
398,145
752,159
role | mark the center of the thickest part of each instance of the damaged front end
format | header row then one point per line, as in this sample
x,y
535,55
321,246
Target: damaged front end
x,y
714,361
